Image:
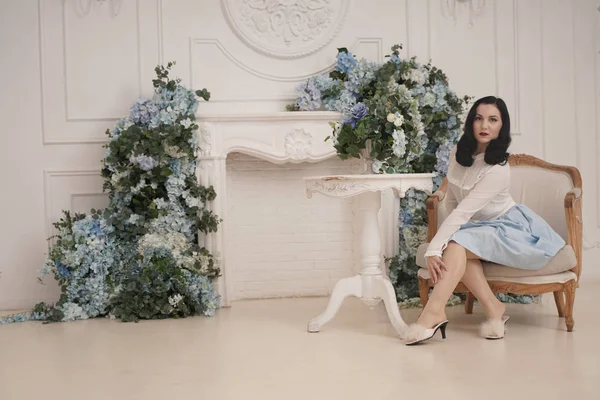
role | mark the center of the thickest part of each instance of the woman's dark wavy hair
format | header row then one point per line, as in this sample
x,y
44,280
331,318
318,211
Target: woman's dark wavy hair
x,y
496,151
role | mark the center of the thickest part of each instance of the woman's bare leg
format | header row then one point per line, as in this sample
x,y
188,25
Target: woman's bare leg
x,y
455,259
475,281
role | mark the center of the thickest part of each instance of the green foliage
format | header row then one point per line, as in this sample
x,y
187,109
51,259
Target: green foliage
x,y
145,293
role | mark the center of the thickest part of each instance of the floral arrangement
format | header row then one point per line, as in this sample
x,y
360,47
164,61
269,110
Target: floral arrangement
x,y
404,116
404,110
140,258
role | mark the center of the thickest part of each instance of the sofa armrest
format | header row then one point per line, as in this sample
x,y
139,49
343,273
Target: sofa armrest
x,y
573,195
432,204
573,214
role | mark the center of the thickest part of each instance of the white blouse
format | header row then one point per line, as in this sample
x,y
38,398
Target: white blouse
x,y
476,193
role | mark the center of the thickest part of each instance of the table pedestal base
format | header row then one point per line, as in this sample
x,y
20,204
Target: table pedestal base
x,y
371,289
371,286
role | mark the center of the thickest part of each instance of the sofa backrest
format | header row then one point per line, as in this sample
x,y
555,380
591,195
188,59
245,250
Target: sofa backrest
x,y
543,191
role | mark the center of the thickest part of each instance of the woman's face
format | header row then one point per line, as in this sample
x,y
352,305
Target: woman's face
x,y
487,124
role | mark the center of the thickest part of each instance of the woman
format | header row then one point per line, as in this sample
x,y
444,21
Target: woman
x,y
485,224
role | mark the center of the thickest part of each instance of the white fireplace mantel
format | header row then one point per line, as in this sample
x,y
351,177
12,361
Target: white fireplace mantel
x,y
280,137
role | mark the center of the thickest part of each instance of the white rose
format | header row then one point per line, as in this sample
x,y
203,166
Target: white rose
x,y
391,117
377,165
398,120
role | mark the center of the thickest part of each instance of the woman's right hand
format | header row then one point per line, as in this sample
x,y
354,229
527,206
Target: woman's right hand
x,y
435,265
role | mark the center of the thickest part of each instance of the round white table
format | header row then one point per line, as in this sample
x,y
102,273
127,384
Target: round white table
x,y
370,285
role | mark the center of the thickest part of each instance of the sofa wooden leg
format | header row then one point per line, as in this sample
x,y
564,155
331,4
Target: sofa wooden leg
x,y
423,291
469,303
559,299
570,287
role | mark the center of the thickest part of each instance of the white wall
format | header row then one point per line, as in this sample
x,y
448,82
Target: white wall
x,y
68,76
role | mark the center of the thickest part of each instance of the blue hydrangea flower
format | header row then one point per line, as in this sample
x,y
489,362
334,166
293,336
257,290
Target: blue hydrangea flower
x,y
143,111
146,163
203,291
62,269
443,155
308,96
360,76
451,122
345,62
343,103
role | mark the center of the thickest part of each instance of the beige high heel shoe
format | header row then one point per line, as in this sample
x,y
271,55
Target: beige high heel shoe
x,y
418,334
494,329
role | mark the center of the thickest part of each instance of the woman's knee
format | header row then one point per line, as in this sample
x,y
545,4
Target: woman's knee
x,y
455,247
457,257
458,248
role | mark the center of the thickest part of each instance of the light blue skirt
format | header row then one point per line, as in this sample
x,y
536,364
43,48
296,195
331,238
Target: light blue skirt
x,y
519,238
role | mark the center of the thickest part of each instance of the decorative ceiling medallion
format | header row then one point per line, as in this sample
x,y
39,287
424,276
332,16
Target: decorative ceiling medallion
x,y
285,28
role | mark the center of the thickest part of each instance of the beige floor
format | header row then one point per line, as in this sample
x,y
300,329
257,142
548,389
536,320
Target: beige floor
x,y
261,350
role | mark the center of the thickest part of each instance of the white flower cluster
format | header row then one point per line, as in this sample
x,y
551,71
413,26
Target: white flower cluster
x,y
417,75
396,118
174,152
175,299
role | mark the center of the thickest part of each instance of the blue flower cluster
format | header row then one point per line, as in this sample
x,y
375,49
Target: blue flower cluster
x,y
203,289
153,218
164,108
146,163
310,93
84,259
143,112
345,62
361,76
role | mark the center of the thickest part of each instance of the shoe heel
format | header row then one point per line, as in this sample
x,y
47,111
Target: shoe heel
x,y
443,330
